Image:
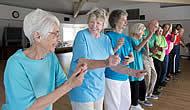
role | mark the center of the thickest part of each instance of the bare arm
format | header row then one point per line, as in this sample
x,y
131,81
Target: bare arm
x,y
173,39
113,63
75,80
128,59
142,44
113,60
93,64
125,70
131,58
120,43
182,43
42,102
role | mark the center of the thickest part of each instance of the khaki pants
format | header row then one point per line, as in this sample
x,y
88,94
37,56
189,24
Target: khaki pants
x,y
151,76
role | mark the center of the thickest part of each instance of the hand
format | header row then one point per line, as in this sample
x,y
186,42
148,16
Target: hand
x,y
160,48
159,56
152,31
120,42
126,60
77,78
113,60
140,73
154,50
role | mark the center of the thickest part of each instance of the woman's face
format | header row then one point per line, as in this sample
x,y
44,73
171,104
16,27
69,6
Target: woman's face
x,y
176,32
141,33
181,32
153,26
166,28
96,25
122,22
50,42
159,32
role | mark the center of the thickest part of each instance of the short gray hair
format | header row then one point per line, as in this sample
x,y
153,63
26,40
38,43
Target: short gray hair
x,y
98,13
115,16
39,21
136,29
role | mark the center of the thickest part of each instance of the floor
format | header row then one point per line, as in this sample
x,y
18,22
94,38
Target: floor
x,y
175,96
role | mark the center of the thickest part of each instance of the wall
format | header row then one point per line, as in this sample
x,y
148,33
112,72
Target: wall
x,y
153,11
6,19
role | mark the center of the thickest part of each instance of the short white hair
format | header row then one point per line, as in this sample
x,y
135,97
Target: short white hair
x,y
39,21
136,29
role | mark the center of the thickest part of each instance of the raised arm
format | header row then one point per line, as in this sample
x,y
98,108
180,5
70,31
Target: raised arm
x,y
120,43
142,44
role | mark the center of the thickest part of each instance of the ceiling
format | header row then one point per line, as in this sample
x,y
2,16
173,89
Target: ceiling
x,y
66,6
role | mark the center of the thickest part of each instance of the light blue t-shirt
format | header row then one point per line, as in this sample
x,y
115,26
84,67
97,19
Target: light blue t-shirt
x,y
138,59
125,50
26,80
89,47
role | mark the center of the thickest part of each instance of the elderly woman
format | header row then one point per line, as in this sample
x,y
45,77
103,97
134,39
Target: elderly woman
x,y
118,93
33,77
95,48
138,88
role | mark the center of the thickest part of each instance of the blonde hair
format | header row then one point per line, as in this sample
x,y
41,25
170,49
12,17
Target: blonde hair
x,y
39,21
98,13
136,29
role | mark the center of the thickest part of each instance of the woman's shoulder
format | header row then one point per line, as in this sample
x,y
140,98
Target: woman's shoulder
x,y
17,55
83,31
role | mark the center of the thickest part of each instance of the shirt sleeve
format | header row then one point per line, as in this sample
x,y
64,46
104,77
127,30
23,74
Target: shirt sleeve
x,y
18,89
109,45
130,45
60,75
79,47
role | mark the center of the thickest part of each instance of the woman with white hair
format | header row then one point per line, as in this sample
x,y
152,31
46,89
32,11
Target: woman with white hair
x,y
94,47
138,43
33,77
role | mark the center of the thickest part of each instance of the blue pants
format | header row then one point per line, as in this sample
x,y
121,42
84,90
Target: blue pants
x,y
176,50
164,68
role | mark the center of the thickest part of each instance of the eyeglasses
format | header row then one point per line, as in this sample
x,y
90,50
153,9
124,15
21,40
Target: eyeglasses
x,y
55,33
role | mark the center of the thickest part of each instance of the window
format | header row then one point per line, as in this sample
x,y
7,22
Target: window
x,y
70,31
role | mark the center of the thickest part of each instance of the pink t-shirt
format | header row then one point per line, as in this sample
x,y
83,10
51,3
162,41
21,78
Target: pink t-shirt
x,y
170,44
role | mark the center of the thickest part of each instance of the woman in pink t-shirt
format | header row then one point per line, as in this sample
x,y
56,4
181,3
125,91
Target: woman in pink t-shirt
x,y
167,29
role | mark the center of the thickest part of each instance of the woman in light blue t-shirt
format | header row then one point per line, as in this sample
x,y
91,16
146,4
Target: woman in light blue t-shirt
x,y
33,77
93,47
118,93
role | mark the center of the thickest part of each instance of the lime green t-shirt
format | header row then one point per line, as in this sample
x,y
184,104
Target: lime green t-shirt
x,y
161,42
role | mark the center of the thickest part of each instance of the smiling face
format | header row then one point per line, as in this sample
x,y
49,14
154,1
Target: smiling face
x,y
122,22
167,29
181,32
95,25
50,42
140,34
153,26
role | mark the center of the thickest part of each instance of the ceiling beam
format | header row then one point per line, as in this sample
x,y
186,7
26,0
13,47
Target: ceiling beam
x,y
77,6
162,1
